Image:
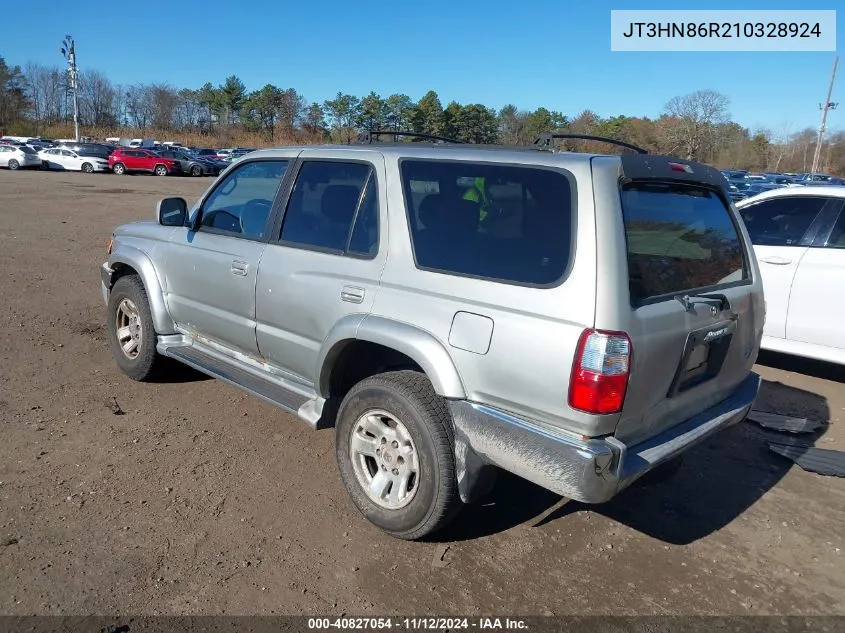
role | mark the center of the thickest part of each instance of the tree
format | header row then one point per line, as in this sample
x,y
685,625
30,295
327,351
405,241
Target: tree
x,y
230,97
372,113
97,99
343,112
398,108
427,117
315,119
262,109
511,125
476,123
693,119
13,101
209,100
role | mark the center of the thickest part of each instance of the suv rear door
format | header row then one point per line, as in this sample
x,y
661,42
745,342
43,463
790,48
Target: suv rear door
x,y
679,277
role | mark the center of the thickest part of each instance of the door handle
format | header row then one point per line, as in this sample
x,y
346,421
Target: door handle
x,y
240,268
776,259
352,294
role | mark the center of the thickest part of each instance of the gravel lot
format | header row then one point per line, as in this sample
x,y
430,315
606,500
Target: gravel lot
x,y
200,499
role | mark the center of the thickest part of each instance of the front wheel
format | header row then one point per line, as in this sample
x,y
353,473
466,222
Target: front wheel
x,y
394,449
130,329
196,170
13,164
119,169
88,168
161,170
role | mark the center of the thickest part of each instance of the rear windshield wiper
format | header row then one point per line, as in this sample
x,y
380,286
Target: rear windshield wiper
x,y
717,302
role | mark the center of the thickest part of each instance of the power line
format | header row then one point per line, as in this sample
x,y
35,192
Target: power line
x,y
824,107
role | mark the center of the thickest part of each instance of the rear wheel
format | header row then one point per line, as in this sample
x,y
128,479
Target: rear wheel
x,y
119,169
196,170
88,168
394,448
13,164
131,332
160,170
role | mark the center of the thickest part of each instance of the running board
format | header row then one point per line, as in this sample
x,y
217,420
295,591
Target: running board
x,y
275,390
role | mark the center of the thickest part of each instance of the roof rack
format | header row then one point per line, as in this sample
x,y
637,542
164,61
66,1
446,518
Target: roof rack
x,y
368,136
545,140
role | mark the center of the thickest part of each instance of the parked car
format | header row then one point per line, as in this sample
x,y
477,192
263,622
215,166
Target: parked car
x,y
593,319
99,150
204,151
126,160
17,157
194,166
799,240
65,159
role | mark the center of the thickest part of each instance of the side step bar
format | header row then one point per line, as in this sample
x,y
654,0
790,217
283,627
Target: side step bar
x,y
275,390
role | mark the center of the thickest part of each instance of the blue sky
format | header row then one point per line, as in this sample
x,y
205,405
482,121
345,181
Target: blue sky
x,y
536,53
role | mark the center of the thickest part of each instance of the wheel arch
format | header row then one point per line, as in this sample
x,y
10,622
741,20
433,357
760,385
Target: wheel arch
x,y
129,260
395,341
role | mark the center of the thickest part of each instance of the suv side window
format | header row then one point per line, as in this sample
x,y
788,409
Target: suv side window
x,y
240,204
500,222
333,206
781,221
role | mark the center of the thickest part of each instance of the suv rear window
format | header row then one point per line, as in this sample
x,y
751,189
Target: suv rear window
x,y
680,238
504,223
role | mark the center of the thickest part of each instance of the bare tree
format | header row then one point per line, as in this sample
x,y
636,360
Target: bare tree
x,y
98,98
693,120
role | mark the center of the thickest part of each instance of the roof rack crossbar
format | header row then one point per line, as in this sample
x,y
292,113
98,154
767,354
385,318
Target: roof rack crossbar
x,y
545,140
368,136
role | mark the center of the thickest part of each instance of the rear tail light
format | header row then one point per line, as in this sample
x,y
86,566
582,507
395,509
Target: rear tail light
x,y
600,372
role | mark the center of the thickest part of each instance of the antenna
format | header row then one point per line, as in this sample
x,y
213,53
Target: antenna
x,y
824,107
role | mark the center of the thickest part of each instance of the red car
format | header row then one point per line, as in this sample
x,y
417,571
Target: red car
x,y
125,160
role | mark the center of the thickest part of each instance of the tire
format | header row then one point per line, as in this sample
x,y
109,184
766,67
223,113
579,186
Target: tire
x,y
119,169
88,168
424,436
144,362
196,170
160,170
13,164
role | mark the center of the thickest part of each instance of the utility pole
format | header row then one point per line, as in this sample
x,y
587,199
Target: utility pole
x,y
824,107
68,49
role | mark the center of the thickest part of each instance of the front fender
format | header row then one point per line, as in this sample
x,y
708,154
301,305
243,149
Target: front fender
x,y
128,255
417,344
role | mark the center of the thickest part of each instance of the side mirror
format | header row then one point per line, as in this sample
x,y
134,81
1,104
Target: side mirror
x,y
172,211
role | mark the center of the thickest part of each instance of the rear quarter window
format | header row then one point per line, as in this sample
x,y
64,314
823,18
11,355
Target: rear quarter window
x,y
498,222
680,238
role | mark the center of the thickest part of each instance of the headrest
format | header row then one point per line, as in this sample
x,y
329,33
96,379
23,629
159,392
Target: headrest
x,y
338,203
444,215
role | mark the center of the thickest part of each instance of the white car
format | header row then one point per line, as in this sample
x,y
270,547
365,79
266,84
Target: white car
x,y
66,159
799,241
15,157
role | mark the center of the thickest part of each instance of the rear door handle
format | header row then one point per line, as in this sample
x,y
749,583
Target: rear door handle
x,y
240,268
776,259
352,294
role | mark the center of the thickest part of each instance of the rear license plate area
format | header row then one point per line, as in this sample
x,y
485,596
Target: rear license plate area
x,y
704,355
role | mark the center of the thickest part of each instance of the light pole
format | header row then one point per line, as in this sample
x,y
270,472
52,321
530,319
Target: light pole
x,y
825,108
68,49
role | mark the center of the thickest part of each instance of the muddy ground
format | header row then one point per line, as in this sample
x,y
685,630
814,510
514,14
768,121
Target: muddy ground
x,y
200,499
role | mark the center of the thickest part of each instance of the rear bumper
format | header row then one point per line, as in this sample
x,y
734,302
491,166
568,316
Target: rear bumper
x,y
592,470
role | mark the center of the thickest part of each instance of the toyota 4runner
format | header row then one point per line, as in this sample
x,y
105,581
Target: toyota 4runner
x,y
575,319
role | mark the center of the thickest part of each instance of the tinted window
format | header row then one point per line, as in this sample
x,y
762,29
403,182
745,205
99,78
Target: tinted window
x,y
325,202
837,237
499,222
680,238
242,202
781,221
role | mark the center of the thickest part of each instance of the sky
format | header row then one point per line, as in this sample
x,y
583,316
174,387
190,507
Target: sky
x,y
537,53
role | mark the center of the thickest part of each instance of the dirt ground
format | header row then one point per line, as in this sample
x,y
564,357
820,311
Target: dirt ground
x,y
200,499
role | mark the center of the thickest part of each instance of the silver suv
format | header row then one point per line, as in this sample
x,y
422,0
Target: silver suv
x,y
575,319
